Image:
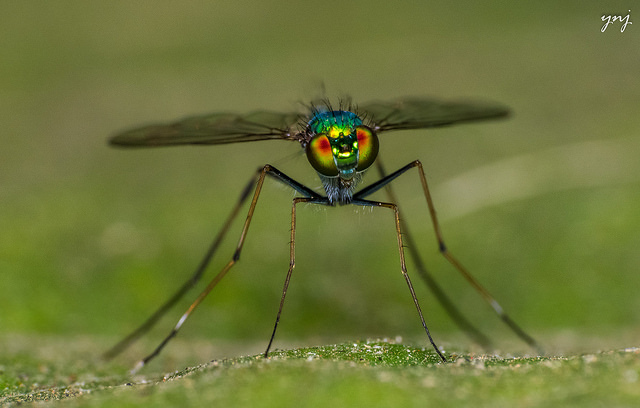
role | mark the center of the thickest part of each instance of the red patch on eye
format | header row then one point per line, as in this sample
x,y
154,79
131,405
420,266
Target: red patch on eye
x,y
364,138
322,146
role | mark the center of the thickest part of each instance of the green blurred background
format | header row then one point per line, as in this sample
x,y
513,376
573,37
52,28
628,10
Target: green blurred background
x,y
542,208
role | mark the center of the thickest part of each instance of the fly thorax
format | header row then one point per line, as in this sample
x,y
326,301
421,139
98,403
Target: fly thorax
x,y
340,190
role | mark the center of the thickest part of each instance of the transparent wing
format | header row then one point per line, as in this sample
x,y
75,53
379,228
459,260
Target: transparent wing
x,y
216,128
418,113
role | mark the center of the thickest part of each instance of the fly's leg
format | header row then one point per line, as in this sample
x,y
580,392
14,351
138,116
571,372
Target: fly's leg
x,y
445,252
403,266
454,313
262,173
292,261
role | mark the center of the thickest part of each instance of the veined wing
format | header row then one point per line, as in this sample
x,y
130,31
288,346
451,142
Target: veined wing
x,y
216,128
418,113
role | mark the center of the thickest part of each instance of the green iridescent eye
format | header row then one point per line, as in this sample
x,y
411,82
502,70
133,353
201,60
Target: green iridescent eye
x,y
368,146
320,155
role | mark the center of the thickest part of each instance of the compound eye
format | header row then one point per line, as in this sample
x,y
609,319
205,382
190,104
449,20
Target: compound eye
x,y
368,146
320,155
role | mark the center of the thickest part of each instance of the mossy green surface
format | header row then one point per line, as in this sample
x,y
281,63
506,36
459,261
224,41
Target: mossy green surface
x,y
373,372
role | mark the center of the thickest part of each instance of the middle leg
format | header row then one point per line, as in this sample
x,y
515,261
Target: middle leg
x,y
403,266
